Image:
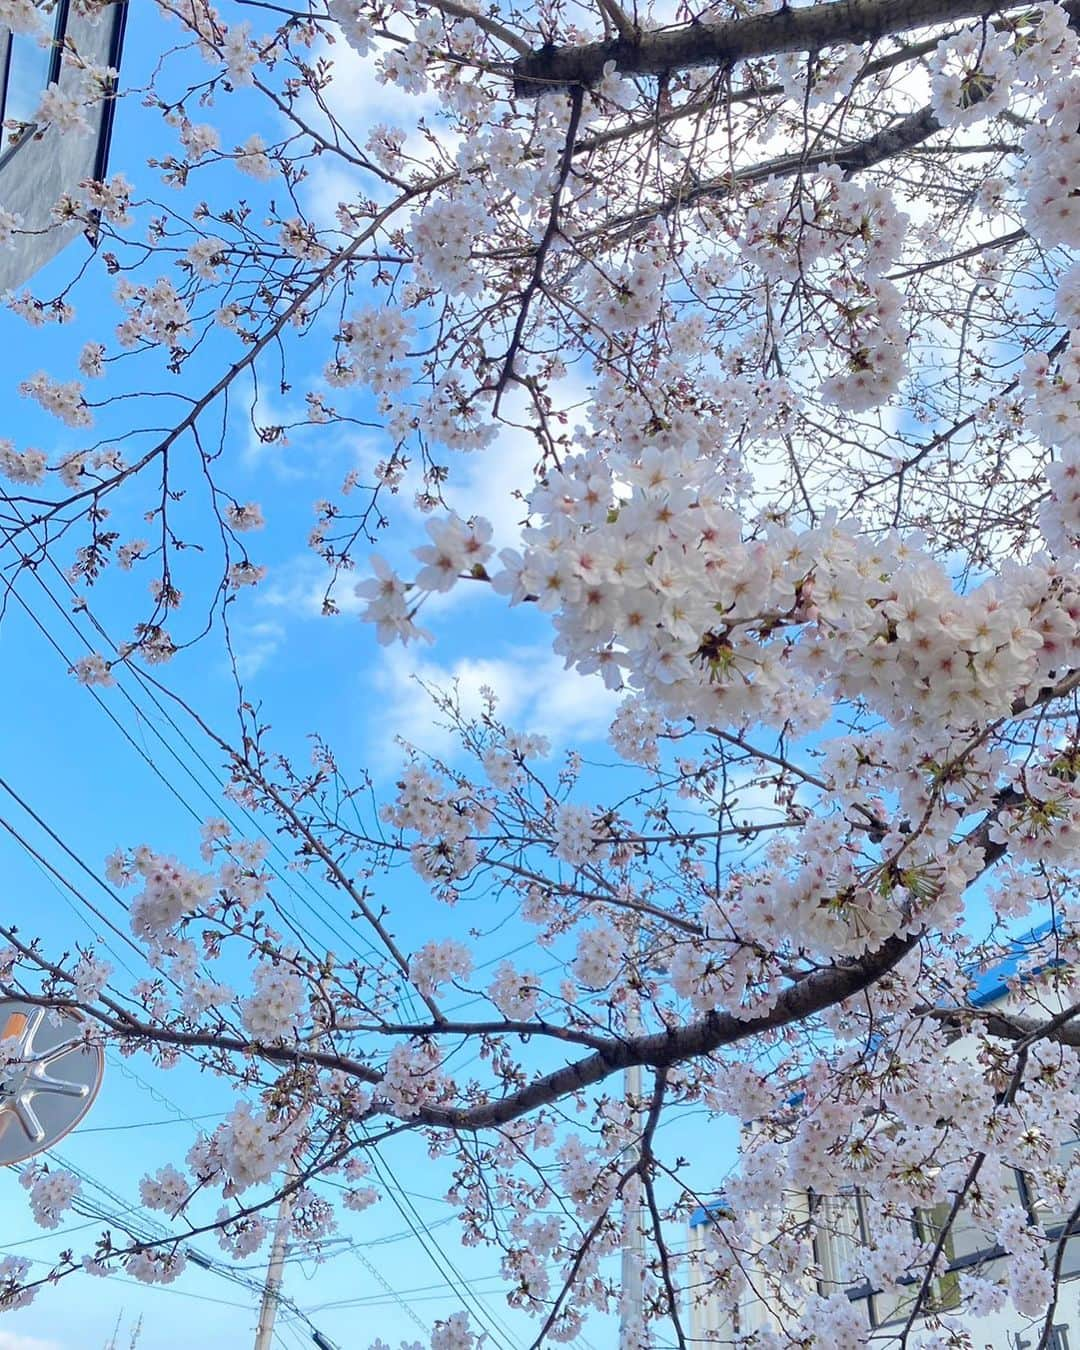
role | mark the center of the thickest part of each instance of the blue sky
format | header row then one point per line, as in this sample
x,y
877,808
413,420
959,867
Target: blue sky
x,y
72,765
113,768
106,769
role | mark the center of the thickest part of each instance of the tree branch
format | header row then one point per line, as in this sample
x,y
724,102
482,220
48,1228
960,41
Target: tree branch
x,y
723,44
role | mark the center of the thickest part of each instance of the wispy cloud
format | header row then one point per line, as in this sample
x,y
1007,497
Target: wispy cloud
x,y
535,694
253,645
356,100
14,1340
296,587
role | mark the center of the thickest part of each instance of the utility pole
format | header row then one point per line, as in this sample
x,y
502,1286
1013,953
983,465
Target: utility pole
x,y
632,1296
116,1331
264,1332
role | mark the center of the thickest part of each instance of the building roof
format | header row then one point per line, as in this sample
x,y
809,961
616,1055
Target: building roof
x,y
704,1213
993,982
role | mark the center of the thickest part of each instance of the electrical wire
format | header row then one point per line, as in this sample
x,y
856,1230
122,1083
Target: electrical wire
x,y
147,1230
216,804
416,1226
146,1124
155,1288
46,866
64,892
494,1325
159,1233
396,1296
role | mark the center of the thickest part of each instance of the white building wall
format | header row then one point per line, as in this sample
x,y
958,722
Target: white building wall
x,y
710,1324
46,163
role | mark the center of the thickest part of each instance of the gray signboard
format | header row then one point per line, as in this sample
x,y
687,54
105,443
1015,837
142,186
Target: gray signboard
x,y
49,1077
39,164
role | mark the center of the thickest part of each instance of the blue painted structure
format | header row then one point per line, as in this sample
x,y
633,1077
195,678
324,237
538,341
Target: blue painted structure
x,y
991,984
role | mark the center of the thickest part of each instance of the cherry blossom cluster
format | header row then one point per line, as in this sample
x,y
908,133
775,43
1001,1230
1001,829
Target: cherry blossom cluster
x,y
22,16
246,1149
156,314
838,228
155,1265
171,892
971,77
658,584
759,327
64,399
52,1193
167,1189
437,963
67,104
444,817
275,1011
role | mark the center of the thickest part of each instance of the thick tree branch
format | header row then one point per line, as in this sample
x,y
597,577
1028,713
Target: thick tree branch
x,y
550,232
812,995
820,990
722,44
1008,1026
854,157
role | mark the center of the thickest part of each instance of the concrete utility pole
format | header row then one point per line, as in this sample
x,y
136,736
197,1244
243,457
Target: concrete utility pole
x,y
632,1298
264,1332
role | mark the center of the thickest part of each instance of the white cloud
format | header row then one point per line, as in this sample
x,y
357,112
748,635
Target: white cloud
x,y
253,645
296,587
14,1340
326,187
484,484
293,454
356,100
491,483
535,694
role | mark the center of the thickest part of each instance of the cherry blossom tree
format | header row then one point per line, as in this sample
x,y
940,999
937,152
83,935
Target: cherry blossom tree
x,y
783,297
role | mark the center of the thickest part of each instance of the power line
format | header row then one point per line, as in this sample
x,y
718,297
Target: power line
x,y
396,1200
416,1225
63,846
142,753
50,876
216,804
148,689
395,1295
146,1124
156,1288
46,1237
48,867
496,1329
147,1230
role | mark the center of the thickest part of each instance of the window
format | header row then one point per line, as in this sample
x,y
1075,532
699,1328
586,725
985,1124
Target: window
x,y
1056,1211
836,1218
839,1235
944,1293
1059,1339
27,69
